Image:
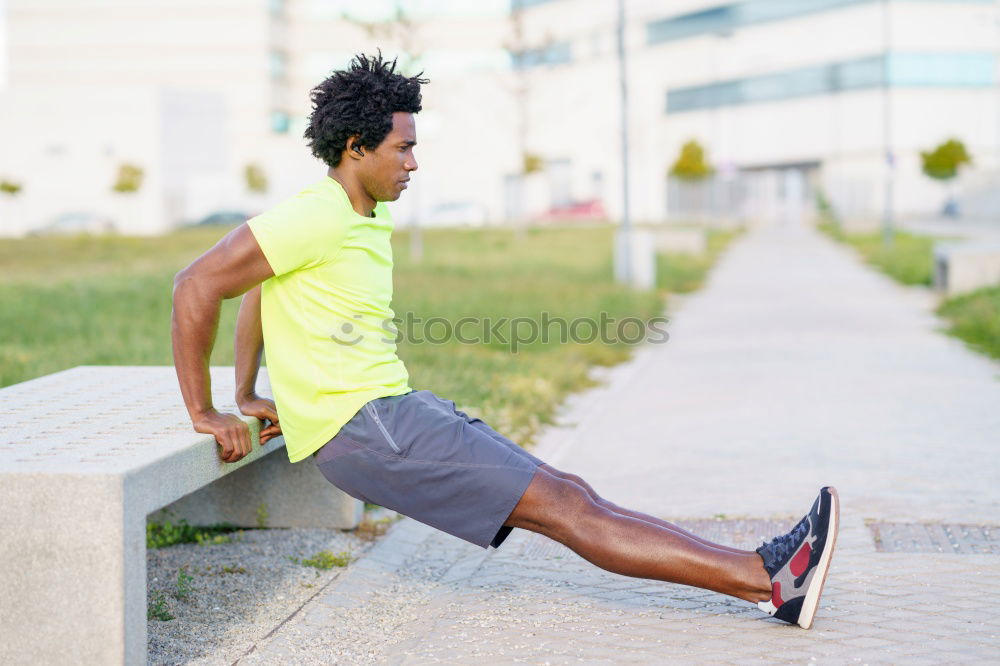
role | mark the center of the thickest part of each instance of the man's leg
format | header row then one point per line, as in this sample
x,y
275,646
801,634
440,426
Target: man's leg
x,y
611,506
564,511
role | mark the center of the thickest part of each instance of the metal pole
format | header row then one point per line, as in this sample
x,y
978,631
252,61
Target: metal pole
x,y
996,24
888,222
625,240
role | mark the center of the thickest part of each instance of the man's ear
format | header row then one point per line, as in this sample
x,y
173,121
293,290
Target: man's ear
x,y
354,150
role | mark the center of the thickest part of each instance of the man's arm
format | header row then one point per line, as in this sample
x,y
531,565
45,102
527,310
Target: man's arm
x,y
248,345
234,265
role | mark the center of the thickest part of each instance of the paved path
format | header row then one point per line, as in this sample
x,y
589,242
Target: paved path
x,y
796,366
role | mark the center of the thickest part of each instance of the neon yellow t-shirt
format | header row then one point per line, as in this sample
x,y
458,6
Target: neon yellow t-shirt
x,y
328,333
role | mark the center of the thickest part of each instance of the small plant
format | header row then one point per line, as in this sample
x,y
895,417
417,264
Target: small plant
x,y
129,178
369,528
229,569
161,535
9,187
325,560
184,580
262,516
255,178
204,539
157,608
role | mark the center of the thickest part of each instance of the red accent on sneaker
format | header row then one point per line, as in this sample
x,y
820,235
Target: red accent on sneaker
x,y
801,560
776,595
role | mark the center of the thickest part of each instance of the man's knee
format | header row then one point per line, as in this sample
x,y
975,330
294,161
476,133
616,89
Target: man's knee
x,y
553,506
573,478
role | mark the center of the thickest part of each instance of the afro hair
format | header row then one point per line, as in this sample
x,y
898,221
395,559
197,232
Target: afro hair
x,y
359,101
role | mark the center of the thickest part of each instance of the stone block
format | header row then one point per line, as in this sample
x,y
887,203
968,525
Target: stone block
x,y
964,267
680,240
293,495
85,455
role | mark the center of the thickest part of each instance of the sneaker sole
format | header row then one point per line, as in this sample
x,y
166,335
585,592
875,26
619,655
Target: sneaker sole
x,y
811,602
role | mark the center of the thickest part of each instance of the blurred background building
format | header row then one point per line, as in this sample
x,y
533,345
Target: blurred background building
x,y
789,98
151,114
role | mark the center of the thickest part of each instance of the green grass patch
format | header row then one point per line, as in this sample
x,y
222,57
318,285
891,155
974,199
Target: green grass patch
x,y
325,559
184,580
909,259
157,608
683,273
975,318
167,533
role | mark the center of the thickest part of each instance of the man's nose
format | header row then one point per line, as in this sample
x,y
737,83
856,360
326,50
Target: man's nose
x,y
410,164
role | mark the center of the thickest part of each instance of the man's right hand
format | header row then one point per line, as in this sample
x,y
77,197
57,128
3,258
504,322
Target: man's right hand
x,y
231,433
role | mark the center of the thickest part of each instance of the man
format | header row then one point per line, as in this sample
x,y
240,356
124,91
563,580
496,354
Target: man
x,y
316,271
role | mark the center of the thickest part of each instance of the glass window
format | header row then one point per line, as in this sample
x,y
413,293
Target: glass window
x,y
942,69
864,73
278,64
736,15
557,53
280,122
957,70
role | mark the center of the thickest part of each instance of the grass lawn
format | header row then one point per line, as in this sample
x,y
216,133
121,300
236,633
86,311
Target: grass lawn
x,y
973,317
68,301
909,260
684,273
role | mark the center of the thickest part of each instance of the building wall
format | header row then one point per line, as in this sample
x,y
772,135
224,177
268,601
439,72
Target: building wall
x,y
224,84
195,90
756,93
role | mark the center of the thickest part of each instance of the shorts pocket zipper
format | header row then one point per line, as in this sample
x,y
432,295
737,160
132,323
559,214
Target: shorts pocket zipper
x,y
374,414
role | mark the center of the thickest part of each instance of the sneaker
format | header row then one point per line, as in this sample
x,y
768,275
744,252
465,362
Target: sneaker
x,y
798,562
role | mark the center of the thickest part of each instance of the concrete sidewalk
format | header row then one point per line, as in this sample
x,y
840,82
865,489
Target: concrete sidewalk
x,y
795,367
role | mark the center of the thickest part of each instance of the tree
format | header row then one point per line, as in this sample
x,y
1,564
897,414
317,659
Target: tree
x,y
943,163
9,187
255,178
532,163
691,164
129,178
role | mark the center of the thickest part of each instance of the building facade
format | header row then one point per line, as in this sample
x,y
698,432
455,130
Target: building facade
x,y
192,92
791,99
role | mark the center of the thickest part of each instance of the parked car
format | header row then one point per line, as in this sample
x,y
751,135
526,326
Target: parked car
x,y
576,211
78,222
230,218
455,213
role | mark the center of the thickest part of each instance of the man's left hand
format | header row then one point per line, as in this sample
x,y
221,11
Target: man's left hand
x,y
265,410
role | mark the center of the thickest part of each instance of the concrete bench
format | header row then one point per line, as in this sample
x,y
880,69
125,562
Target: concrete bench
x,y
680,240
963,267
85,456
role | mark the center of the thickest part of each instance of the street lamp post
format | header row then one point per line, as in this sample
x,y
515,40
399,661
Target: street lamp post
x,y
888,222
623,265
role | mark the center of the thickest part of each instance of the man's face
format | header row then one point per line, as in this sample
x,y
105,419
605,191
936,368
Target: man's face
x,y
385,171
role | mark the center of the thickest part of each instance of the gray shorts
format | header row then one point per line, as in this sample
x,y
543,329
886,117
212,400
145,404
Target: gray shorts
x,y
418,455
